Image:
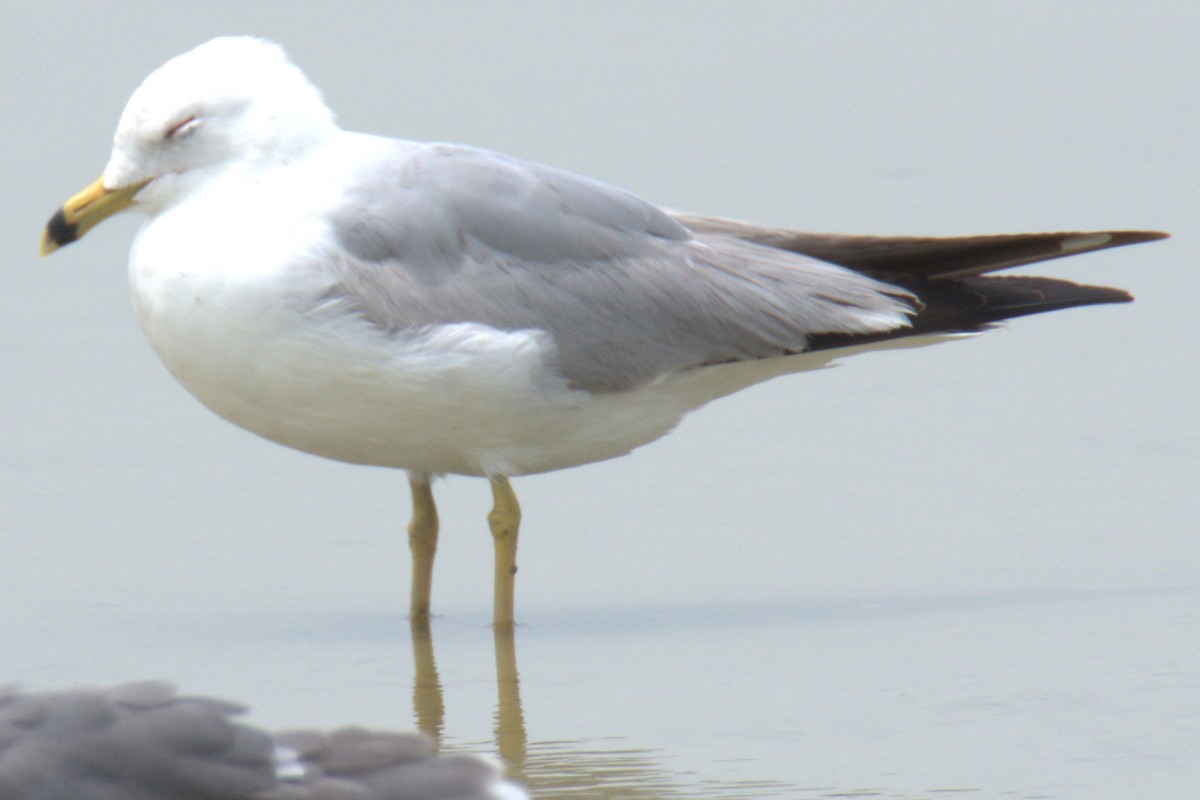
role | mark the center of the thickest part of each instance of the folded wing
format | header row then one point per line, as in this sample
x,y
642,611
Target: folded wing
x,y
626,293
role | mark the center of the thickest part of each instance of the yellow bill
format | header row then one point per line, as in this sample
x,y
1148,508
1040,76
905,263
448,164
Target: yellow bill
x,y
85,211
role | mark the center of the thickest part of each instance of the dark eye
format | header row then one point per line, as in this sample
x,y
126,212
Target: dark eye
x,y
182,128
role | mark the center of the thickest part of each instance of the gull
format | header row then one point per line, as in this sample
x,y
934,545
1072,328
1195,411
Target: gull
x,y
145,741
445,309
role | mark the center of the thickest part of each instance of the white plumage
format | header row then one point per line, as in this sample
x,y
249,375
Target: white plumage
x,y
443,309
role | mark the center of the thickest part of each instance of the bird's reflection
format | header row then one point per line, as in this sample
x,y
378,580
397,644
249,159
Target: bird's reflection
x,y
511,740
429,707
557,768
429,704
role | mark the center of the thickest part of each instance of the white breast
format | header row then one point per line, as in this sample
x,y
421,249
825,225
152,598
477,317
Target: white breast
x,y
242,325
255,346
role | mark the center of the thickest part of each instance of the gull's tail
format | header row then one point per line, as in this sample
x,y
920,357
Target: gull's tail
x,y
949,275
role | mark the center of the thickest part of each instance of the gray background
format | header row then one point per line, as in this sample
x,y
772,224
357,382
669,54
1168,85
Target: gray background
x,y
969,567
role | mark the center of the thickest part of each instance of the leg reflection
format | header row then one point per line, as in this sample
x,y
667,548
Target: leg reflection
x,y
551,770
510,718
429,706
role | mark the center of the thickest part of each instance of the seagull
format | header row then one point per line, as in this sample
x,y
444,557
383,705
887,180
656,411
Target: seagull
x,y
145,741
445,309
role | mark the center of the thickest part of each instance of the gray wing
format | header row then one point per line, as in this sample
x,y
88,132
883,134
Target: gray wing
x,y
436,234
144,742
359,764
133,742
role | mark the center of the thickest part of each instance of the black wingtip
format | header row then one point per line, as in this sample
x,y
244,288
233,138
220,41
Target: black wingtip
x,y
1136,237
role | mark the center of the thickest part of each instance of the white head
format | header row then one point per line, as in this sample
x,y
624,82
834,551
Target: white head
x,y
231,106
233,101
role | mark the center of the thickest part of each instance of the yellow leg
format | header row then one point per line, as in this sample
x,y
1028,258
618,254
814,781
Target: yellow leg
x,y
422,540
504,520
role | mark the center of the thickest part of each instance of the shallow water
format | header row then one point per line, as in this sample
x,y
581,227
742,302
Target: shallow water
x,y
967,570
1020,694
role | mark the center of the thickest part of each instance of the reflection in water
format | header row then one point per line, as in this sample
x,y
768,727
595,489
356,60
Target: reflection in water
x,y
578,769
428,706
510,718
550,769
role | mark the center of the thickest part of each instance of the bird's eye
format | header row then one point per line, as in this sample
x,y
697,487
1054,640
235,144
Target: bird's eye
x,y
182,128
